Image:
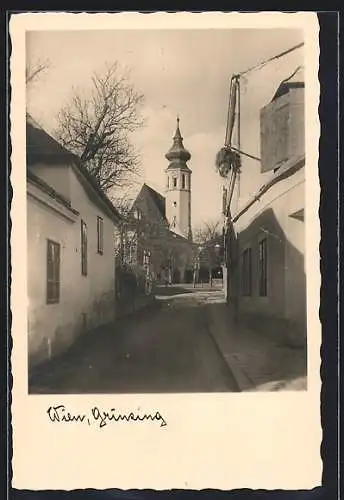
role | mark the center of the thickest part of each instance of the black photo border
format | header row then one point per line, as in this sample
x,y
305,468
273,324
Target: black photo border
x,y
329,175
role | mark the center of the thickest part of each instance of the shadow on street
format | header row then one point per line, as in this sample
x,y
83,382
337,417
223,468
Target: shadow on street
x,y
167,348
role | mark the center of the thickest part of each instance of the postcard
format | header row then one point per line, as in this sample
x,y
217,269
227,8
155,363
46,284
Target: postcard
x,y
165,250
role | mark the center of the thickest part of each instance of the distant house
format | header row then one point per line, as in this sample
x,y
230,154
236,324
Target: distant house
x,y
266,240
151,242
70,248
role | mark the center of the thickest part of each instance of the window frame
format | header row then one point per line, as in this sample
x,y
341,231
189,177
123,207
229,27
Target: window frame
x,y
263,267
174,182
55,280
100,235
83,245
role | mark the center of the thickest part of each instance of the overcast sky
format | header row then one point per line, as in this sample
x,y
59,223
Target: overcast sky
x,y
185,72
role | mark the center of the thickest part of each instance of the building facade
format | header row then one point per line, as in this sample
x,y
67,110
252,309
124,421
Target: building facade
x,y
159,235
265,263
70,248
168,256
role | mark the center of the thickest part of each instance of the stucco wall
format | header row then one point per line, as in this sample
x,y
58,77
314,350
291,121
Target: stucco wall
x,y
182,198
51,327
97,288
270,218
85,301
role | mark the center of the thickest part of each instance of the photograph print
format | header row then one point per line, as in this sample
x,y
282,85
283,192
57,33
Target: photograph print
x,y
166,218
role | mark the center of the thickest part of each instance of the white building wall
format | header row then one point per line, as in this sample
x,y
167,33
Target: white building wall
x,y
270,217
98,287
85,301
51,327
181,197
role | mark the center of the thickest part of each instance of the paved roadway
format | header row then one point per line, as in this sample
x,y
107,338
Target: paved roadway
x,y
167,349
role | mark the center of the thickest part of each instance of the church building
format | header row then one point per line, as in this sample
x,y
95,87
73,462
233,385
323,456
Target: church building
x,y
159,232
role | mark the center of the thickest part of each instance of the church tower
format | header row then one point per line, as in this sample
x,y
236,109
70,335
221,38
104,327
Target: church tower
x,y
178,187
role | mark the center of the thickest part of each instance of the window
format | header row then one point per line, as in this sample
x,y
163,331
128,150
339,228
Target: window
x,y
53,272
138,214
246,272
183,181
263,268
83,248
174,182
168,182
100,235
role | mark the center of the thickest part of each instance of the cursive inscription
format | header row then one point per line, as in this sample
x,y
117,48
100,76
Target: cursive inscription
x,y
60,414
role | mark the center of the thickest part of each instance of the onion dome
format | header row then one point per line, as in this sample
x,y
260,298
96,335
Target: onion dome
x,y
177,153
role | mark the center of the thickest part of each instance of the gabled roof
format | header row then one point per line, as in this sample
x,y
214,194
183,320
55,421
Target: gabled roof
x,y
157,198
41,147
181,239
160,203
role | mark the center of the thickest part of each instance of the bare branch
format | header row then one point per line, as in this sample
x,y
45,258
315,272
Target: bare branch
x,y
207,232
96,125
34,70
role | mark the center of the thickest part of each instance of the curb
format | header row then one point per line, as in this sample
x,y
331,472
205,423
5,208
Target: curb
x,y
243,381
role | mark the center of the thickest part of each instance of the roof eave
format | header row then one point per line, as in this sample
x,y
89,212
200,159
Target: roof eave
x,y
295,165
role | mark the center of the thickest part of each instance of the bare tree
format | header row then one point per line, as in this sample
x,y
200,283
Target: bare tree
x,y
34,70
209,238
127,230
96,125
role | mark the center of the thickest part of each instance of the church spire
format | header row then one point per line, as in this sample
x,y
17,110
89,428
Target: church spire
x,y
177,152
178,184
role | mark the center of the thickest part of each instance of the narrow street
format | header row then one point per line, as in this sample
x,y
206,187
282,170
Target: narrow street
x,y
168,348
